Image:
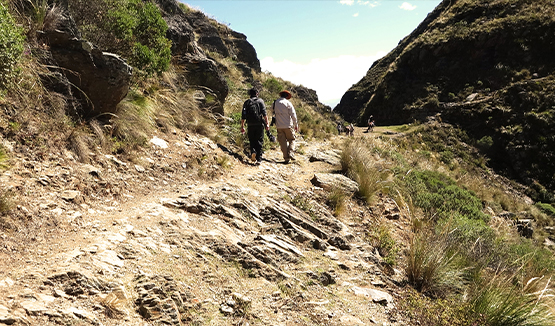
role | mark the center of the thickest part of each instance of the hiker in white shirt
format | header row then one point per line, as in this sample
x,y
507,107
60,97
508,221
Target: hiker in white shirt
x,y
286,124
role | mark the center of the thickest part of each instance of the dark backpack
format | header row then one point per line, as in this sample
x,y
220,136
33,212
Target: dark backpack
x,y
252,109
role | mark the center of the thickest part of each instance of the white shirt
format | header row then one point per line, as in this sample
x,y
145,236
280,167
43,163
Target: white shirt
x,y
286,117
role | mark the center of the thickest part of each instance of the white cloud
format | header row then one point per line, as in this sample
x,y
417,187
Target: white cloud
x,y
407,6
330,77
347,2
370,4
355,15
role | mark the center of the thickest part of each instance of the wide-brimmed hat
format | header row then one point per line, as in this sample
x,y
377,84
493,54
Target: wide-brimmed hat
x,y
285,94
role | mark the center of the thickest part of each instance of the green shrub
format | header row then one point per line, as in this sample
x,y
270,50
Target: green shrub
x,y
439,196
446,156
422,310
388,248
11,44
546,208
272,85
133,29
485,143
474,238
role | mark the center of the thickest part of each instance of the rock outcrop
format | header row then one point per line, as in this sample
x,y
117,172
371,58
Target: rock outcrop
x,y
100,80
216,37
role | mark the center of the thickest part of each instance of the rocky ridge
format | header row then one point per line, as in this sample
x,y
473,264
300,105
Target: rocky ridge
x,y
178,238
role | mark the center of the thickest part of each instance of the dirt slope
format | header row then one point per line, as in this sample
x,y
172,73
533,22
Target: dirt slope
x,y
180,238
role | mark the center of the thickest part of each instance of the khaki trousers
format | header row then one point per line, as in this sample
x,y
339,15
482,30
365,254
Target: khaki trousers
x,y
286,139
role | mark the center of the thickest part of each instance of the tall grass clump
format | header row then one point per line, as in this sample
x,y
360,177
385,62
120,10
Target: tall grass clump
x,y
337,200
40,15
500,303
132,125
357,163
175,108
433,265
11,44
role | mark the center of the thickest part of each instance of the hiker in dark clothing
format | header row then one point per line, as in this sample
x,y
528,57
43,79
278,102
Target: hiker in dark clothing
x,y
371,124
339,128
254,113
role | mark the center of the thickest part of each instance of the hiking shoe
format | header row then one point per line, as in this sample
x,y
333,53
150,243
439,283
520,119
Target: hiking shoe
x,y
258,163
253,157
292,158
286,161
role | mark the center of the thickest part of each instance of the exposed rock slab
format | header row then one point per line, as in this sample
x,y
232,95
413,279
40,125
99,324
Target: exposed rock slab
x,y
330,181
375,295
330,157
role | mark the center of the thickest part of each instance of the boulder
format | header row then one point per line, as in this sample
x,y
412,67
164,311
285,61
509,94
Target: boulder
x,y
100,79
244,51
179,31
203,71
330,157
329,181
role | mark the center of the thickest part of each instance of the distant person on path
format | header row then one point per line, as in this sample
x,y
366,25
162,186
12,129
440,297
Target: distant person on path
x,y
351,130
286,124
371,124
254,112
339,128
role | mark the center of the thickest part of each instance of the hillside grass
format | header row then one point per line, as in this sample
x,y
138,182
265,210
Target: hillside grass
x,y
461,253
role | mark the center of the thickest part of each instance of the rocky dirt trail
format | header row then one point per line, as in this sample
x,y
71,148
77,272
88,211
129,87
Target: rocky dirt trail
x,y
187,233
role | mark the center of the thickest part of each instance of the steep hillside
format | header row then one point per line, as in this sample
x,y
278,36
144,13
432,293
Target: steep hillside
x,y
484,66
126,197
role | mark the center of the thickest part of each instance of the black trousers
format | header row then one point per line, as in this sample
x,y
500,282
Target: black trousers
x,y
256,139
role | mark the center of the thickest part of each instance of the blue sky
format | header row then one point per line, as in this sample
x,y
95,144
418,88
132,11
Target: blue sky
x,y
326,45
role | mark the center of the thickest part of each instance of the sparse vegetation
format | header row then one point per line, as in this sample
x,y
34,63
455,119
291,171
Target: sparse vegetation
x,y
387,247
11,45
455,245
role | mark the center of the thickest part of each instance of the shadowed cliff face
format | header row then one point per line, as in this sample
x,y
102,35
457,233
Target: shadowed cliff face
x,y
482,65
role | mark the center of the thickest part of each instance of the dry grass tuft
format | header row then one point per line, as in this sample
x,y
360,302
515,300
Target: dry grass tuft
x,y
6,202
358,163
337,200
431,265
99,134
53,18
77,143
